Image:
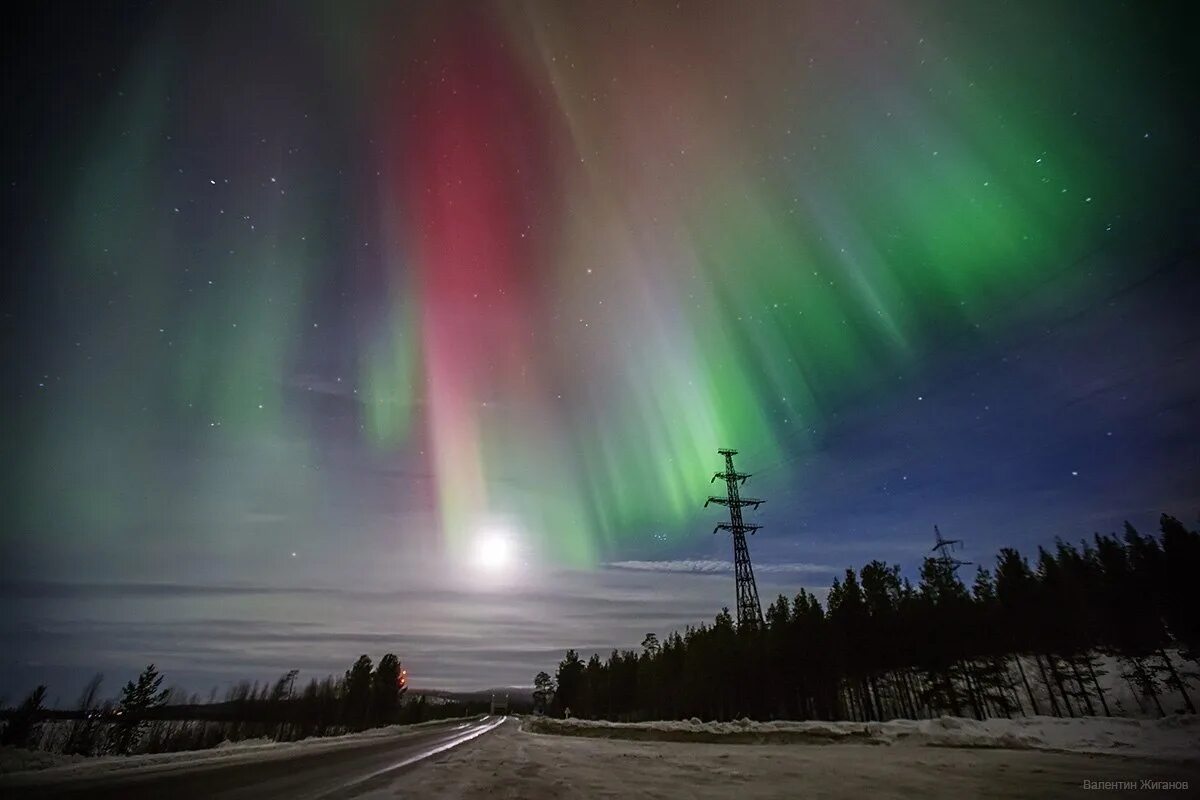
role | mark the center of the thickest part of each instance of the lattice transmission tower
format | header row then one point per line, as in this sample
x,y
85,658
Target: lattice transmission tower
x,y
749,612
945,551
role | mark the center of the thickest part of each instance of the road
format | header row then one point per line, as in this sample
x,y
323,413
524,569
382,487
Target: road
x,y
322,774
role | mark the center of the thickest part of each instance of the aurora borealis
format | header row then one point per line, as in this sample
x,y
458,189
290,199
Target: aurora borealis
x,y
307,294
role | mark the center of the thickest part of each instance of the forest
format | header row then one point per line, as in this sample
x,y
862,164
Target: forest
x,y
1026,636
147,718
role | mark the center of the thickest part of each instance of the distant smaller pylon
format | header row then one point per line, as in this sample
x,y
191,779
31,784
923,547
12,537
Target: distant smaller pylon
x,y
945,549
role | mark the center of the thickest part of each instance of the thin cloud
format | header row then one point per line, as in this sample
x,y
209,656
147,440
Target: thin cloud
x,y
56,590
716,567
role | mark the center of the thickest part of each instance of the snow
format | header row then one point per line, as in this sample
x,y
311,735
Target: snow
x,y
943,758
56,765
514,763
17,759
1173,738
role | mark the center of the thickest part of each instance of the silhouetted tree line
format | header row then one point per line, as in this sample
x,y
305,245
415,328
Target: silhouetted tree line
x,y
146,718
1022,638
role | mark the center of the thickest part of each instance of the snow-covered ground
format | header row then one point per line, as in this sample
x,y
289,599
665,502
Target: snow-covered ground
x,y
1173,738
946,758
17,760
513,763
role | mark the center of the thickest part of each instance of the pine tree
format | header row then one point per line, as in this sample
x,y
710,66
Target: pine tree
x,y
357,693
82,736
881,598
543,693
884,649
23,723
570,683
988,652
945,599
388,684
137,700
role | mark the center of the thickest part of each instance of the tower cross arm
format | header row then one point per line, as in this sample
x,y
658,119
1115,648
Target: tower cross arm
x,y
725,526
738,501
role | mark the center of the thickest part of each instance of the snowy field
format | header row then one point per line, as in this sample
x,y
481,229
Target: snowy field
x,y
953,758
513,763
946,758
1173,738
16,760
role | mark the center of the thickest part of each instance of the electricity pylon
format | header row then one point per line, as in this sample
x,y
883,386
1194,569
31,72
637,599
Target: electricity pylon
x,y
944,549
749,612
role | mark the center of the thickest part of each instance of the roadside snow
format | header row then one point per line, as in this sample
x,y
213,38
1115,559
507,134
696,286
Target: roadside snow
x,y
511,763
18,760
1173,738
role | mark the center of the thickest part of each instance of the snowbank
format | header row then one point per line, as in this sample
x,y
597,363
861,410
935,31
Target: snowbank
x,y
16,760
1174,738
511,763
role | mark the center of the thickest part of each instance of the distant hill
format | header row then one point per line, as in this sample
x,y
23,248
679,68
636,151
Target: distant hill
x,y
520,699
517,695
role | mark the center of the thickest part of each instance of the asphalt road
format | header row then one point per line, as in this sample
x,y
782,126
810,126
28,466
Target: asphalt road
x,y
324,774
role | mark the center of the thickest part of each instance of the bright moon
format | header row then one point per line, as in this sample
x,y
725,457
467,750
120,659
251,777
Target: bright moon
x,y
494,551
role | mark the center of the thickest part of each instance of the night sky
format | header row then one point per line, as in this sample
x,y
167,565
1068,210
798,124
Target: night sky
x,y
333,328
